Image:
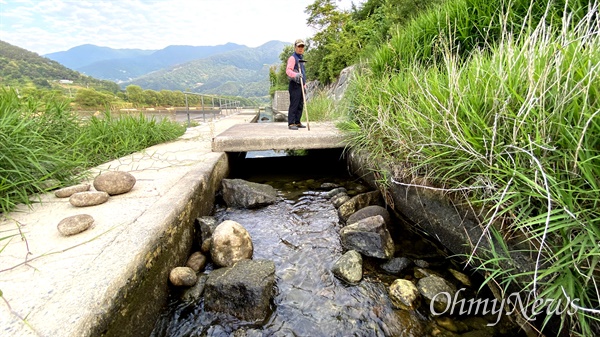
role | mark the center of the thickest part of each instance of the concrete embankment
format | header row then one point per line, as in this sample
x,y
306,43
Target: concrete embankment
x,y
112,278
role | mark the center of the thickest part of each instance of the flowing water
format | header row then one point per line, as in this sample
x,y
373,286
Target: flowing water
x,y
300,234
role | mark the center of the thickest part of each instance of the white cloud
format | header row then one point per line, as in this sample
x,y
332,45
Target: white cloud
x,y
54,25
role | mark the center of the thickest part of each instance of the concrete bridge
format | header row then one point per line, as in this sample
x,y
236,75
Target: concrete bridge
x,y
276,136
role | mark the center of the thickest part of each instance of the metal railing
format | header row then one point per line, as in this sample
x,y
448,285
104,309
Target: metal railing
x,y
225,105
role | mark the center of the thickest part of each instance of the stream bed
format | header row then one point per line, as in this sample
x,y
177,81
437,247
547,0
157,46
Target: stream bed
x,y
300,234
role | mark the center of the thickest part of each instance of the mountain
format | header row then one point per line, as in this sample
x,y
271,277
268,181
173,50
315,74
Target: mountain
x,y
87,54
243,72
20,67
121,65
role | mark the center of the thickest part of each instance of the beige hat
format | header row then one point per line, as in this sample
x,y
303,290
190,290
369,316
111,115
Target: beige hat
x,y
299,42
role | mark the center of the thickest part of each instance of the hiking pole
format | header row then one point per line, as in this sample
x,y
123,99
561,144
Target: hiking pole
x,y
303,95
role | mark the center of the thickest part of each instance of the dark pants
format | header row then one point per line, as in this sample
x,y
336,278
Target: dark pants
x,y
296,103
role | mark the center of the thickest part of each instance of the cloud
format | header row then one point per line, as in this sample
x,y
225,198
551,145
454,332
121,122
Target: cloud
x,y
54,25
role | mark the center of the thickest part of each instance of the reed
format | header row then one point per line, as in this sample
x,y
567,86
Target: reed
x,y
514,125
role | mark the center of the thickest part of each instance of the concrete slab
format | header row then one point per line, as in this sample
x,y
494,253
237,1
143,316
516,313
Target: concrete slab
x,y
111,279
277,136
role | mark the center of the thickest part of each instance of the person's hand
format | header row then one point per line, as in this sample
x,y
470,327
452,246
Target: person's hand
x,y
297,78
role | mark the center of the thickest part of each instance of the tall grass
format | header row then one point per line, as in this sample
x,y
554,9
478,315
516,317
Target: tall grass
x,y
44,145
321,107
515,126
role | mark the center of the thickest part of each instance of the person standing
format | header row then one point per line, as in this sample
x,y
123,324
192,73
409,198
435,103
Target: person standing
x,y
297,75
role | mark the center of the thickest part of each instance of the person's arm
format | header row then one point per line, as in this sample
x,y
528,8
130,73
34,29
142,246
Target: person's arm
x,y
289,69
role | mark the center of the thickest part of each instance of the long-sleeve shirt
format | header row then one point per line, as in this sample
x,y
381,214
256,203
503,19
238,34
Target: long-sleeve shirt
x,y
289,69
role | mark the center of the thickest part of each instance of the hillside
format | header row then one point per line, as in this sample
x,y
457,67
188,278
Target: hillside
x,y
87,54
242,72
122,65
20,67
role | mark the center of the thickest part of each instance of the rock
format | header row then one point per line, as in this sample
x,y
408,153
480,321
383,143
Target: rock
x,y
451,325
194,293
183,277
462,278
421,263
436,289
396,265
205,227
82,199
424,272
75,224
357,202
328,186
369,237
404,295
339,199
196,261
244,290
231,243
114,182
69,191
370,211
348,267
245,194
205,247
334,192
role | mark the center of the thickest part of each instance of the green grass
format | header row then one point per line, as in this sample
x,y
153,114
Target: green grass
x,y
514,124
44,145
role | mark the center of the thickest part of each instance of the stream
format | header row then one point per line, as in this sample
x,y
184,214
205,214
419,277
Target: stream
x,y
300,234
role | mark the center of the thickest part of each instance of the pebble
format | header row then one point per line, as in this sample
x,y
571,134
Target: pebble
x,y
82,199
69,191
114,182
75,224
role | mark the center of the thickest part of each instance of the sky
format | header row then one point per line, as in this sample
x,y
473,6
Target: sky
x,y
47,26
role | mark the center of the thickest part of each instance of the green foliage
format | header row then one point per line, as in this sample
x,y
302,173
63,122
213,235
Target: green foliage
x,y
343,37
20,68
44,145
108,137
89,98
508,113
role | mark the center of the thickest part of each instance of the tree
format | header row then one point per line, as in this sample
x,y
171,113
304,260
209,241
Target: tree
x,y
90,98
135,95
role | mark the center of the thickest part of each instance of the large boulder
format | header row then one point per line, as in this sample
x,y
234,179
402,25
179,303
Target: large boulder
x,y
369,237
244,290
246,194
230,243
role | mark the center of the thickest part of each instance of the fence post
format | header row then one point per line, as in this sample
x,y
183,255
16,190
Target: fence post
x,y
187,108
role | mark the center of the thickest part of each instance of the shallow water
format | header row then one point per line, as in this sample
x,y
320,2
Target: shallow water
x,y
300,234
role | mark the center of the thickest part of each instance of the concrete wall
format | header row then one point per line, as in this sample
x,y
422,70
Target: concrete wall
x,y
281,101
146,294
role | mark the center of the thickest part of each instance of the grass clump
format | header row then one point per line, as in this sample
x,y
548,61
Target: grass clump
x,y
44,145
514,123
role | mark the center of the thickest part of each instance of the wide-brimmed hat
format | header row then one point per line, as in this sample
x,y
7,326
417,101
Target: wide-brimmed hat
x,y
299,42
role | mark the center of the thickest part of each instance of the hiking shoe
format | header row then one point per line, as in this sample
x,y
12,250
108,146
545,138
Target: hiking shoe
x,y
300,125
292,127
